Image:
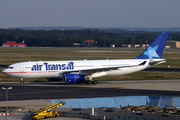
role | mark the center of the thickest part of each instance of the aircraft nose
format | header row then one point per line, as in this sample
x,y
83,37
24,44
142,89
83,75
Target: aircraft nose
x,y
4,71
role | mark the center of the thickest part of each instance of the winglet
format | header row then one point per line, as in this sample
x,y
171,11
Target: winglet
x,y
155,49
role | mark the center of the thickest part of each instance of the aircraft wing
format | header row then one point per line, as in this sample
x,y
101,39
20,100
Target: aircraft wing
x,y
90,71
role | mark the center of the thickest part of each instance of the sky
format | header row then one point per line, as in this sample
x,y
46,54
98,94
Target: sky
x,y
90,13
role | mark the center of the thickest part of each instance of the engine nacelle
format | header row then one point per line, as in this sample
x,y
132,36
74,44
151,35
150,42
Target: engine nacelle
x,y
73,78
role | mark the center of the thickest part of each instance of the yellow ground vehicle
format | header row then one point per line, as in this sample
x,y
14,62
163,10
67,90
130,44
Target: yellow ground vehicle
x,y
50,111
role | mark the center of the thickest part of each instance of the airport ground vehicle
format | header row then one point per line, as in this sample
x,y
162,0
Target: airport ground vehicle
x,y
50,111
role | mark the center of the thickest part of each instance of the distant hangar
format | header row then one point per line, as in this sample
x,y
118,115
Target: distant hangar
x,y
14,44
172,44
169,44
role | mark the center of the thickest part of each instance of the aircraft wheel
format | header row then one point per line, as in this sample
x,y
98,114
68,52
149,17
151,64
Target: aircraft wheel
x,y
94,82
22,83
88,82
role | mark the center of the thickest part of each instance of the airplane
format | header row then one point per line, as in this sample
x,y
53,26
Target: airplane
x,y
78,71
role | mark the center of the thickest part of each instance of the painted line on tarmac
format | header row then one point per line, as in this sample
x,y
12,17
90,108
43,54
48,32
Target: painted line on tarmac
x,y
162,84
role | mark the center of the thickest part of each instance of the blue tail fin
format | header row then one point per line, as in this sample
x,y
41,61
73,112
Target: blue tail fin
x,y
155,49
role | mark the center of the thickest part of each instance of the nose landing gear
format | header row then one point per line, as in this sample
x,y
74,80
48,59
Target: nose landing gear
x,y
22,82
91,82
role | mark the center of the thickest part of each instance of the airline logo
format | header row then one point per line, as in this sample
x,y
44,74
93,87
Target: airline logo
x,y
151,52
68,66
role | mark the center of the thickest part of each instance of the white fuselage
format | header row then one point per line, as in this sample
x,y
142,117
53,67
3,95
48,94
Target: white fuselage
x,y
55,69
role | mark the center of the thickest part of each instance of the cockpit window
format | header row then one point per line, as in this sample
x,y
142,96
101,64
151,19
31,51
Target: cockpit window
x,y
9,67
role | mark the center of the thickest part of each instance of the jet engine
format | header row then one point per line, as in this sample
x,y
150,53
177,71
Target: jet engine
x,y
73,78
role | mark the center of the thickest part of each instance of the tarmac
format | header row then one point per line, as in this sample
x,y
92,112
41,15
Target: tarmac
x,y
169,85
25,118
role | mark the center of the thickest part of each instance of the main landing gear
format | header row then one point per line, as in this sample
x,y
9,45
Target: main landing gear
x,y
91,82
22,82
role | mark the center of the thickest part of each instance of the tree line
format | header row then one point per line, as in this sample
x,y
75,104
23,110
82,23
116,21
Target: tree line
x,y
66,38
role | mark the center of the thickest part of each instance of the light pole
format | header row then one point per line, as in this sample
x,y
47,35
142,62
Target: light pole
x,y
6,98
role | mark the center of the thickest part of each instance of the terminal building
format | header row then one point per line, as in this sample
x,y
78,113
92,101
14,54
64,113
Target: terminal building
x,y
88,43
172,44
14,44
169,44
135,45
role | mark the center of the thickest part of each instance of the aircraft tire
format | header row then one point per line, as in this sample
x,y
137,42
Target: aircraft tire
x,y
22,83
88,82
94,82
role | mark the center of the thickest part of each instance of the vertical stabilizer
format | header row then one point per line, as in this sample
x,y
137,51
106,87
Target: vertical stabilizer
x,y
155,49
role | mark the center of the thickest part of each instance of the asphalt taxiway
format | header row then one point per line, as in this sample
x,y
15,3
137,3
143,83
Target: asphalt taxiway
x,y
32,95
59,90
